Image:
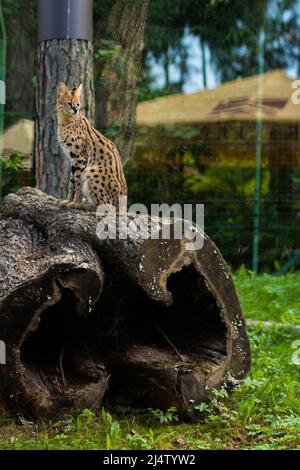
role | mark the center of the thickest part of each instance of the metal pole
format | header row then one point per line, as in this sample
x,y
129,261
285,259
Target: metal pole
x,y
65,19
258,148
3,42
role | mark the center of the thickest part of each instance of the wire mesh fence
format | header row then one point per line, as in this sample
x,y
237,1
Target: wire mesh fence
x,y
221,175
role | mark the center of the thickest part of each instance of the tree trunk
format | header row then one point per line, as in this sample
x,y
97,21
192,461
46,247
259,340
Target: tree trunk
x,y
203,59
119,68
159,324
69,60
182,67
166,65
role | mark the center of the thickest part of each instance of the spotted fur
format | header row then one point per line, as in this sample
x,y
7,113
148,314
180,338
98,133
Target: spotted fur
x,y
97,174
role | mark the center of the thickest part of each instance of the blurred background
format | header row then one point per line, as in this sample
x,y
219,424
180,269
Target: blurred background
x,y
216,123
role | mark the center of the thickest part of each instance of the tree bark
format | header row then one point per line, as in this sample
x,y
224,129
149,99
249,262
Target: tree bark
x,y
71,61
119,69
160,324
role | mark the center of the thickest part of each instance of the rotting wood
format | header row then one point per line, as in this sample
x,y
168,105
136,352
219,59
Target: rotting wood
x,y
79,315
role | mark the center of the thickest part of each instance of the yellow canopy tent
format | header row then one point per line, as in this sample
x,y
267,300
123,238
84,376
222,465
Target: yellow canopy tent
x,y
232,101
225,119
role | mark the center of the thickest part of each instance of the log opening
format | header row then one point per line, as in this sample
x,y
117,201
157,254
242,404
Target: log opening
x,y
56,348
52,362
159,342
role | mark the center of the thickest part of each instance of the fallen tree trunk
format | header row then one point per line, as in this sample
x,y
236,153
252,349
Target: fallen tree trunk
x,y
141,322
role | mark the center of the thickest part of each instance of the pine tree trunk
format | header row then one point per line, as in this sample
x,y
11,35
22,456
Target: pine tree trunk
x,y
118,80
69,60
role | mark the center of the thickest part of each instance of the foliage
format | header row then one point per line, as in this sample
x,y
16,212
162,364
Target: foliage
x,y
112,430
141,441
10,168
229,28
188,169
165,417
263,413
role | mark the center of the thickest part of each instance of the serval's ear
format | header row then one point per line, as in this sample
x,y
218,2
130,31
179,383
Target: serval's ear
x,y
78,91
61,89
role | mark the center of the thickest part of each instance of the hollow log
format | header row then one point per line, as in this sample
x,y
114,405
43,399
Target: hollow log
x,y
137,322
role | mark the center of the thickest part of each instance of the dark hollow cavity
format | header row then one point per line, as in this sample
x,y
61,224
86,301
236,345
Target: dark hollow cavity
x,y
152,345
61,353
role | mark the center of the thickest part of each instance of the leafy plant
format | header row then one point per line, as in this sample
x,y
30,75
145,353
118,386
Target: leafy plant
x,y
9,169
112,430
142,441
84,419
165,416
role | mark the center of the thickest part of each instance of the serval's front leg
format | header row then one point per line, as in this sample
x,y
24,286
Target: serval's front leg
x,y
71,192
77,175
74,194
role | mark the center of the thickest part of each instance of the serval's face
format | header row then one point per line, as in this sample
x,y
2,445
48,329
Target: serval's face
x,y
68,101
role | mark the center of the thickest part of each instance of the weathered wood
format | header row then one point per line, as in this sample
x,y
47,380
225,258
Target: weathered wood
x,y
44,268
146,322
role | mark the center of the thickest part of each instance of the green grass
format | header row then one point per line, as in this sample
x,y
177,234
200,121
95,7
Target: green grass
x,y
269,298
263,413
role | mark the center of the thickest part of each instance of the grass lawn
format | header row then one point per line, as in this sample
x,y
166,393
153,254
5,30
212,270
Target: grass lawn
x,y
261,414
